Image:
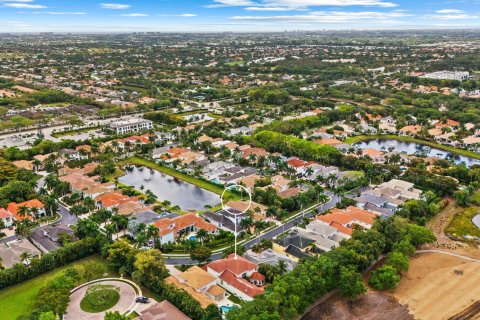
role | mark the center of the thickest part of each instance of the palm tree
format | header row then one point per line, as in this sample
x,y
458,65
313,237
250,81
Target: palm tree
x,y
110,229
202,235
89,203
36,164
282,267
51,205
34,212
23,211
152,233
25,257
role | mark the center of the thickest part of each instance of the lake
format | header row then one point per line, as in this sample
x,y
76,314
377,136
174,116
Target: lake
x,y
415,149
180,193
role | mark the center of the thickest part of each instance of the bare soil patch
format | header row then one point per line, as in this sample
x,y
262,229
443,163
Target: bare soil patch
x,y
439,286
370,306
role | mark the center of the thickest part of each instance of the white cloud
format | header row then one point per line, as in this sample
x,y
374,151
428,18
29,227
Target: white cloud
x,y
460,16
268,9
187,15
114,6
449,11
56,13
134,15
23,5
330,17
284,5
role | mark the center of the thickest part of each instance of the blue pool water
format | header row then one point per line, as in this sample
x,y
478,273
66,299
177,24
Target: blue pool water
x,y
193,238
225,309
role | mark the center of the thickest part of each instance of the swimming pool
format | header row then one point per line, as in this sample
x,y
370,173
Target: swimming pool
x,y
225,309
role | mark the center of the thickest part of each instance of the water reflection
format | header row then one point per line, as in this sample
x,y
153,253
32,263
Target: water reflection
x,y
185,195
415,149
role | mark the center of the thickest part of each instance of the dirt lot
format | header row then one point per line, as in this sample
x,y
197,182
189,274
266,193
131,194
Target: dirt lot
x,y
439,286
371,306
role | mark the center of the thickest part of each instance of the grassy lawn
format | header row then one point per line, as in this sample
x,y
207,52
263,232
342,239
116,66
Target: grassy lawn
x,y
234,299
20,298
467,153
100,298
462,224
215,116
174,173
476,198
235,63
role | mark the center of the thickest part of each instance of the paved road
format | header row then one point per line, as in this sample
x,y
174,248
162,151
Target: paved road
x,y
334,199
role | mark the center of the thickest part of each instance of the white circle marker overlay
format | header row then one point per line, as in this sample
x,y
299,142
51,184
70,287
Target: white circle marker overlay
x,y
235,214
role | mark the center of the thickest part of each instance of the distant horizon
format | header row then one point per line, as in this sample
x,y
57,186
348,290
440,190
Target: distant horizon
x,y
238,32
240,16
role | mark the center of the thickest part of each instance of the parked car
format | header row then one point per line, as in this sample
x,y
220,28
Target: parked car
x,y
142,299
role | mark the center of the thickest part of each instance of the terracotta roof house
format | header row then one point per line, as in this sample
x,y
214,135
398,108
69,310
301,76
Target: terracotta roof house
x,y
14,209
345,219
169,229
232,272
162,311
258,152
113,199
6,217
200,284
259,210
410,130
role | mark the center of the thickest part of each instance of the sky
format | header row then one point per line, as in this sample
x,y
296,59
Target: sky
x,y
234,15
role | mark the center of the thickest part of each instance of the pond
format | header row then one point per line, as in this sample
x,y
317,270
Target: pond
x,y
415,149
180,193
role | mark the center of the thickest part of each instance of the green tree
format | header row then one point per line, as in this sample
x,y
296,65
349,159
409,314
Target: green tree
x,y
350,283
121,256
149,267
384,278
398,261
419,235
201,254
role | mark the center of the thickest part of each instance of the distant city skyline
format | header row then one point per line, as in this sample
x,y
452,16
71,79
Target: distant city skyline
x,y
234,15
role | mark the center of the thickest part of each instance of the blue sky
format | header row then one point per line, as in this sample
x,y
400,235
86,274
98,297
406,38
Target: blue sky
x,y
234,15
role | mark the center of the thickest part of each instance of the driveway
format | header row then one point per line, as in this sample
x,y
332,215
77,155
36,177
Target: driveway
x,y
124,305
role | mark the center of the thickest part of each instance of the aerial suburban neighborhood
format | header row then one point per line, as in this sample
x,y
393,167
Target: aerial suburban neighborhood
x,y
156,175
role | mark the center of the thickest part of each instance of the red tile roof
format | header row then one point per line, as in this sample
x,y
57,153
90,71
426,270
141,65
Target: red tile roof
x,y
238,266
165,226
241,284
341,228
13,207
4,213
257,276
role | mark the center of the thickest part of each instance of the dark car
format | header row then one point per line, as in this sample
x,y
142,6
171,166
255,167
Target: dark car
x,y
142,300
